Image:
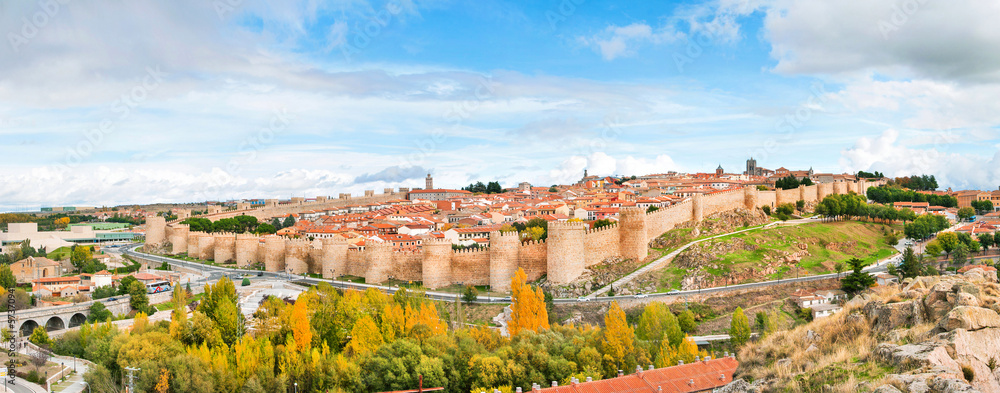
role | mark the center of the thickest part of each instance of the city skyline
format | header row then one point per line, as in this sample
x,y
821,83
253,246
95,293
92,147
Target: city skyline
x,y
255,99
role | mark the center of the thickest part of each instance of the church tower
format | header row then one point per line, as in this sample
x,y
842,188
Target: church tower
x,y
429,182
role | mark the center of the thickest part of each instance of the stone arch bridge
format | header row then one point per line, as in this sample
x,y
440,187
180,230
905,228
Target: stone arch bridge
x,y
63,317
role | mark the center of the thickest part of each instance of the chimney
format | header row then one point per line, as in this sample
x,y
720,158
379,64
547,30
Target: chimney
x,y
697,358
680,362
691,382
589,379
638,369
518,390
621,373
707,358
555,384
650,367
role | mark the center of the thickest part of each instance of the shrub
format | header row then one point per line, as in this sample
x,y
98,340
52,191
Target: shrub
x,y
766,209
246,281
32,377
968,373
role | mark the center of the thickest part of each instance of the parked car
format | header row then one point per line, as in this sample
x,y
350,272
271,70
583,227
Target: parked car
x,y
641,296
674,291
583,299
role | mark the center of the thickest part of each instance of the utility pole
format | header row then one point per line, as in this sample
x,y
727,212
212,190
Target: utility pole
x,y
131,378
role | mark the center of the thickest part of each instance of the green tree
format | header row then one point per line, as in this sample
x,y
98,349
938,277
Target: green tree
x,y
288,222
103,292
910,267
686,321
966,213
7,279
138,299
838,267
652,322
80,256
739,328
125,284
470,294
960,256
99,313
858,280
40,337
651,209
948,241
800,205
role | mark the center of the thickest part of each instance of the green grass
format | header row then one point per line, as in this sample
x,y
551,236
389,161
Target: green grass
x,y
170,305
58,254
868,237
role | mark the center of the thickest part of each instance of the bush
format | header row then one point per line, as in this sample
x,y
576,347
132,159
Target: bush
x,y
33,377
805,314
470,294
968,373
800,204
766,209
246,282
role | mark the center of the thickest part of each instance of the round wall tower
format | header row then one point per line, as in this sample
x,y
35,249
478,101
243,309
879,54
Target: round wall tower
x,y
225,247
334,259
750,198
274,254
802,192
633,243
565,251
378,257
156,229
436,268
823,190
840,188
503,259
246,249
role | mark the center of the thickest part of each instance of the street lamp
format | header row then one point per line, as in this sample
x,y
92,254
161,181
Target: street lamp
x,y
296,387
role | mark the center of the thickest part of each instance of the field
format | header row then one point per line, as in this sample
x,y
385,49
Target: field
x,y
58,254
770,254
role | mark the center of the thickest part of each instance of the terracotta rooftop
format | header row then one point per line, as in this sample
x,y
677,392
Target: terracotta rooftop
x,y
694,377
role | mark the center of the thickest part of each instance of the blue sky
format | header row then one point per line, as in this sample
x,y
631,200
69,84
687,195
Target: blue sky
x,y
230,99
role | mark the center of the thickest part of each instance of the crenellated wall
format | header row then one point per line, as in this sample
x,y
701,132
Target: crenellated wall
x,y
563,257
470,266
246,249
225,247
156,232
602,243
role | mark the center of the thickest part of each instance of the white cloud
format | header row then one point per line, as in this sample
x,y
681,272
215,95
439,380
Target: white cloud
x,y
602,164
888,155
622,41
950,40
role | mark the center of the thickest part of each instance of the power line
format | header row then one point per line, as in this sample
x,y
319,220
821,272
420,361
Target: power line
x,y
131,378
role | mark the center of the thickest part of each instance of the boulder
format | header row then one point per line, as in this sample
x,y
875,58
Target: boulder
x,y
739,386
965,299
968,318
886,317
936,303
925,354
966,287
912,383
952,385
886,389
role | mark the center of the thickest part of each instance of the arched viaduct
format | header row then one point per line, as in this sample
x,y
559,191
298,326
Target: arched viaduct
x,y
63,317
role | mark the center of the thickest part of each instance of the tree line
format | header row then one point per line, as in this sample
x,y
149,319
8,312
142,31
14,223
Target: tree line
x,y
915,182
888,194
492,187
789,182
238,224
346,341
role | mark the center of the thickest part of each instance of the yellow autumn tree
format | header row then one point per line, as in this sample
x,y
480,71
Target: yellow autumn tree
x,y
140,323
688,350
668,355
300,325
527,306
619,338
163,385
365,337
427,315
393,321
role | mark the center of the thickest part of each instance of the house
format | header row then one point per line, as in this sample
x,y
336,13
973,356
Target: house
x,y
702,375
31,268
832,295
885,279
806,299
825,310
57,286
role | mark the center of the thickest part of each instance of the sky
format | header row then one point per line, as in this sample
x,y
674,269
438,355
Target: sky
x,y
119,102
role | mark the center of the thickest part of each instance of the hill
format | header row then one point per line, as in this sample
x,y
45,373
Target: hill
x,y
773,253
931,334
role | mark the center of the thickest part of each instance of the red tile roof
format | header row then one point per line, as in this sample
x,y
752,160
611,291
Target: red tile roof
x,y
693,377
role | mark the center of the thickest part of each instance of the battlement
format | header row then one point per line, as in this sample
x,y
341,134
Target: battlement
x,y
532,242
472,250
334,241
613,225
507,234
566,225
436,241
247,236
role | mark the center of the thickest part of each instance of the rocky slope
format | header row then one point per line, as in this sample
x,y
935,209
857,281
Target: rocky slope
x,y
929,334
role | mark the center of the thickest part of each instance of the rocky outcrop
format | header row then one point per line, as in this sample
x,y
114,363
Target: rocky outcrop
x,y
969,318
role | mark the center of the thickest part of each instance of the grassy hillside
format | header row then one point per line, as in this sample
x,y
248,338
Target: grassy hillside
x,y
744,257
